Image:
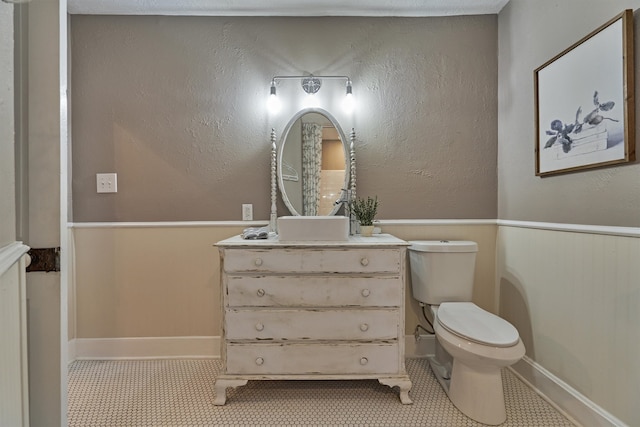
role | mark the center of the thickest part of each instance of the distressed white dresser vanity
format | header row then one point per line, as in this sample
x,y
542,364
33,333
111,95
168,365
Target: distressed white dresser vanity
x,y
313,310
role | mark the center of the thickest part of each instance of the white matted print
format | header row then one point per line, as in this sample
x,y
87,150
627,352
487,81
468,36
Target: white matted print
x,y
585,103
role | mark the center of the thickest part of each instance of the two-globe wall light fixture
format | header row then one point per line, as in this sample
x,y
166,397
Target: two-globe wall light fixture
x,y
311,85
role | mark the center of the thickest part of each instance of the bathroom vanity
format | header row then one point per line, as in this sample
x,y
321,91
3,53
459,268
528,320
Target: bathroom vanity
x,y
313,311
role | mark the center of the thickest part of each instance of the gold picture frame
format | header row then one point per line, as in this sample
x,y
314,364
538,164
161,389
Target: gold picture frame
x,y
584,102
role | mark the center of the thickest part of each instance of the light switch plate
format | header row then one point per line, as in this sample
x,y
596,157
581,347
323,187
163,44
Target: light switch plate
x,y
107,182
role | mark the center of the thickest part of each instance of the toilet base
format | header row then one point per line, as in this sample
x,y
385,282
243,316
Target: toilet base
x,y
477,393
469,383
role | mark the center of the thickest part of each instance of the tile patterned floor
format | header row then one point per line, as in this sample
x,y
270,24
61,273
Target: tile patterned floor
x,y
180,393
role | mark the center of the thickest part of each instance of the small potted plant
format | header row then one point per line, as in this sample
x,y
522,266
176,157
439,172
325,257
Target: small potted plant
x,y
365,212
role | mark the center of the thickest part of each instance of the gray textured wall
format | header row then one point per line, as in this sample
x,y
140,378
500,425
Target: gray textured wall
x,y
176,107
531,33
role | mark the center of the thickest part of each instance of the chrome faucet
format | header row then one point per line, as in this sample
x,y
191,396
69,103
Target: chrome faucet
x,y
345,200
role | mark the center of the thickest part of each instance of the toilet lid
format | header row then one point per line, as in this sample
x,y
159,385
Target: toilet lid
x,y
469,321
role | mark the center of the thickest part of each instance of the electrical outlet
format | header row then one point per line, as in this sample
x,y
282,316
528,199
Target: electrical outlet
x,y
107,182
247,212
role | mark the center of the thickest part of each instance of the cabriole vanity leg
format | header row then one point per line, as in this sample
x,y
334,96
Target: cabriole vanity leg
x,y
403,384
221,389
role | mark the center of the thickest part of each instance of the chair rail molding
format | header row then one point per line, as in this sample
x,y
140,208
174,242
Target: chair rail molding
x,y
10,254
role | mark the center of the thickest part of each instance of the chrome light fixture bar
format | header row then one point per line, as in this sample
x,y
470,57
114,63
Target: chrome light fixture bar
x,y
310,84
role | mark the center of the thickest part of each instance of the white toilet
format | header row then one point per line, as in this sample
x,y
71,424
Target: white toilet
x,y
477,344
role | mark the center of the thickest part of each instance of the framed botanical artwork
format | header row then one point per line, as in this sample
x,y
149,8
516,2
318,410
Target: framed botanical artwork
x,y
584,102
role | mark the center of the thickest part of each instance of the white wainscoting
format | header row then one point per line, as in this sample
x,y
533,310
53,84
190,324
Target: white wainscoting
x,y
423,347
573,292
14,383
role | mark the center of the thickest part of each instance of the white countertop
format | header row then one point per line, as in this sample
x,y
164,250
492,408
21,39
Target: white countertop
x,y
355,241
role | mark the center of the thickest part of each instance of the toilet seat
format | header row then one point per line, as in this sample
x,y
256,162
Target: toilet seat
x,y
469,321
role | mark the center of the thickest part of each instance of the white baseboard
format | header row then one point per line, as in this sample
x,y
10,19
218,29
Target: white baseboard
x,y
564,397
71,351
144,348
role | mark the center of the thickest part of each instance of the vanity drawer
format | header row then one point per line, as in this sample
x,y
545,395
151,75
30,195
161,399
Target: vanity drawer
x,y
323,358
311,324
313,291
314,260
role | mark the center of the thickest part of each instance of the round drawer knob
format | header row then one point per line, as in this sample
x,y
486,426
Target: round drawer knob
x,y
364,327
259,361
364,360
364,262
259,327
260,292
366,292
258,262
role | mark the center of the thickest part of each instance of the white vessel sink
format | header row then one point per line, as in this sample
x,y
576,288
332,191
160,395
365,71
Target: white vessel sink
x,y
313,228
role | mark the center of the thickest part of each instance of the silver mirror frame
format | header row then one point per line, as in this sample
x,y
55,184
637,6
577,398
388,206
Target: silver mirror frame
x,y
276,164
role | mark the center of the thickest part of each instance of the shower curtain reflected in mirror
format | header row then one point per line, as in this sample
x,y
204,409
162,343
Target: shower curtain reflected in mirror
x,y
311,165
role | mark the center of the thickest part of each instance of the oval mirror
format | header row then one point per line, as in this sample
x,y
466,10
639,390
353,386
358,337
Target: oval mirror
x,y
313,163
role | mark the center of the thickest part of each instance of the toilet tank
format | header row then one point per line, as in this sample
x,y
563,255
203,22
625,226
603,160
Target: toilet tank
x,y
442,270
